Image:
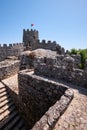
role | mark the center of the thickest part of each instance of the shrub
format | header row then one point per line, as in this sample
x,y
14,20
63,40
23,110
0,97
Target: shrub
x,y
83,53
73,51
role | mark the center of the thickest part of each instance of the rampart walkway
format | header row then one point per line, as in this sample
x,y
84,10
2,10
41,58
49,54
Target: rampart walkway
x,y
74,118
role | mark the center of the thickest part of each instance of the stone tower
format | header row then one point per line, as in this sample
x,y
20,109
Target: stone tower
x,y
30,37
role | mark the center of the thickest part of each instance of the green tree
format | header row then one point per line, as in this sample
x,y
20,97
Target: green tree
x,y
73,51
83,53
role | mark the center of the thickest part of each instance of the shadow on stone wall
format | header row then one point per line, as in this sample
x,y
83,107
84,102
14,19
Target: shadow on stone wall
x,y
41,100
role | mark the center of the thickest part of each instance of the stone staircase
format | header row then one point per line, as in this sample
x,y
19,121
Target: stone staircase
x,y
10,118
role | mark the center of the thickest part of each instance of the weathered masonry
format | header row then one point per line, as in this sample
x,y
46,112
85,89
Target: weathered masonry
x,y
41,100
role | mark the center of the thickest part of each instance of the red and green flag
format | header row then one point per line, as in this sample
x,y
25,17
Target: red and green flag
x,y
32,25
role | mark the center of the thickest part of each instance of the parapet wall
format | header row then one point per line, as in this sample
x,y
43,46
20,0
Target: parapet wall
x,y
65,72
11,50
49,119
36,95
48,45
31,39
8,68
58,60
28,62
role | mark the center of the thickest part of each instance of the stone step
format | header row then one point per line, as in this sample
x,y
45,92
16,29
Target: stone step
x,y
10,119
5,102
1,85
6,113
2,90
13,123
19,126
7,106
3,94
4,98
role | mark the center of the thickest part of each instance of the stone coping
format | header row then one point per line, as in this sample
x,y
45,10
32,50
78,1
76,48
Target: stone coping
x,y
7,63
48,121
51,116
30,72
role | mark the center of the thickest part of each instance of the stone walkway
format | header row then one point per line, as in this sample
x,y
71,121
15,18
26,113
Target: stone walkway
x,y
75,117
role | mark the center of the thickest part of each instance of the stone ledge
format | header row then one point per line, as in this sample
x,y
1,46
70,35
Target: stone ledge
x,y
43,100
8,68
48,121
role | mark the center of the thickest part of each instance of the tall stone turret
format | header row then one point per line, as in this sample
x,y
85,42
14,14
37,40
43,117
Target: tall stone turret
x,y
30,37
31,42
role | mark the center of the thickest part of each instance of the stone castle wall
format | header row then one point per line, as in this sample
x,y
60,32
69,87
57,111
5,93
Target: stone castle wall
x,y
56,61
48,45
30,35
28,62
49,119
37,94
65,72
11,50
31,41
8,68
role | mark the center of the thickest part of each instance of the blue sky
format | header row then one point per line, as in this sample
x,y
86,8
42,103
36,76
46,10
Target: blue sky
x,y
64,21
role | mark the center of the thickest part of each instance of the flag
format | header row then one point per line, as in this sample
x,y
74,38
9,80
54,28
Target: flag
x,y
32,25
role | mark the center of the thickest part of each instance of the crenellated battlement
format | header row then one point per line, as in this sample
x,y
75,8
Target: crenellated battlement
x,y
48,42
4,46
14,49
51,45
30,42
31,30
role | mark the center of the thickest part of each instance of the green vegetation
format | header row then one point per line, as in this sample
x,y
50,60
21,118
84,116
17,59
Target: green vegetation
x,y
83,53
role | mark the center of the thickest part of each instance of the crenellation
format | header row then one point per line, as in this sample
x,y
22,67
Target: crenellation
x,y
27,30
54,42
23,30
20,43
10,45
4,45
43,41
49,42
14,44
34,30
14,49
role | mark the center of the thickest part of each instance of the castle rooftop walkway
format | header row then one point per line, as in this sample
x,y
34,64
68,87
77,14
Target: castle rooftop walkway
x,y
75,116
